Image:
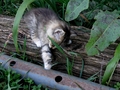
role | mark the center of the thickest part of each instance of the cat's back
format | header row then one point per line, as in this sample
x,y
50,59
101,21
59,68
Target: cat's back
x,y
42,14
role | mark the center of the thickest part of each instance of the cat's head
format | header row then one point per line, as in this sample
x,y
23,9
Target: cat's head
x,y
59,31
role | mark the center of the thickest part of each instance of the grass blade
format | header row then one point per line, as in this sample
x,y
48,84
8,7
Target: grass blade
x,y
82,68
57,46
8,77
17,19
111,66
69,66
93,77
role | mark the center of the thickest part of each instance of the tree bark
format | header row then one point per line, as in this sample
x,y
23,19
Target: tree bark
x,y
80,36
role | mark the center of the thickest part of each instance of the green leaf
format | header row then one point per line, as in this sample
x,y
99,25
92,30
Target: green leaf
x,y
111,66
74,8
93,77
69,66
52,4
17,19
105,31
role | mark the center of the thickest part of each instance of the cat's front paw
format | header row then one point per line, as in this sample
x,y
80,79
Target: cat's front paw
x,y
38,44
47,65
46,56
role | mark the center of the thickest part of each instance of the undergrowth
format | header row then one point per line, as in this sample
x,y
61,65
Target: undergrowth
x,y
10,80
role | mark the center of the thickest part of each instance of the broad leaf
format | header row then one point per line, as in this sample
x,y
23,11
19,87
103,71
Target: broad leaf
x,y
74,8
111,66
105,31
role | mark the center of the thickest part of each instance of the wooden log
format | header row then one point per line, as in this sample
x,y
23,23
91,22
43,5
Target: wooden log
x,y
80,36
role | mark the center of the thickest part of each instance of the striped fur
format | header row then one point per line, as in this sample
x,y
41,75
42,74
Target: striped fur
x,y
43,23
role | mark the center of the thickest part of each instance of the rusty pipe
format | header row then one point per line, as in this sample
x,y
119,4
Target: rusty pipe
x,y
50,78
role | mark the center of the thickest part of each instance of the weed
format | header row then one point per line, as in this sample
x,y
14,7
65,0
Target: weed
x,y
9,7
117,86
69,66
10,80
93,77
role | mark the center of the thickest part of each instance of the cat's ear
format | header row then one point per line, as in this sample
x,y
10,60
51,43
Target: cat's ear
x,y
59,34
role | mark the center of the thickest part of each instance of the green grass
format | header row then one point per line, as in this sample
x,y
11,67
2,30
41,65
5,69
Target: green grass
x,y
9,7
17,19
69,65
117,86
10,80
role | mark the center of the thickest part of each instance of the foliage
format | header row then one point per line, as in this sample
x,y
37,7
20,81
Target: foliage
x,y
9,7
93,77
57,6
117,86
105,31
86,17
74,8
18,17
111,66
10,80
69,65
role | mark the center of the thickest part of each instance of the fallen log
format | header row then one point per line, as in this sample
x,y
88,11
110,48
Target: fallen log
x,y
80,36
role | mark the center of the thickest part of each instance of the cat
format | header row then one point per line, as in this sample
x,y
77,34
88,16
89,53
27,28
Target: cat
x,y
44,23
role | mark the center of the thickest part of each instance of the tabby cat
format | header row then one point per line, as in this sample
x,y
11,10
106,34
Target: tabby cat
x,y
44,23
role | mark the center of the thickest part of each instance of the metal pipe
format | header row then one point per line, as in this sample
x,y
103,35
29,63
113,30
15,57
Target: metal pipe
x,y
50,78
